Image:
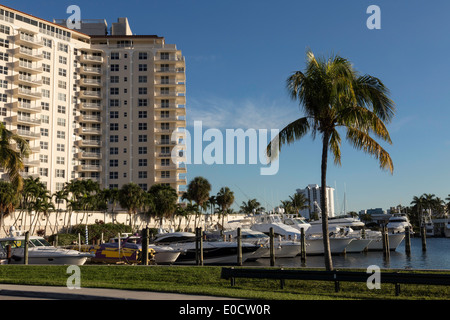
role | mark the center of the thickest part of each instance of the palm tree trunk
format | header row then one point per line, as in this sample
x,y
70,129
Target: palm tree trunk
x,y
323,204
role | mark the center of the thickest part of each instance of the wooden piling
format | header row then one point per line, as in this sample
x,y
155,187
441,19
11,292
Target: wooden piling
x,y
145,240
272,248
25,253
199,246
407,241
239,247
302,245
8,253
424,238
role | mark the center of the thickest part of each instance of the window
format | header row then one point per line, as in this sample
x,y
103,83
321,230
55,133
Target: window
x,y
142,138
61,134
113,175
142,150
165,174
165,55
114,79
44,145
46,67
60,147
142,79
44,132
142,162
114,163
114,67
142,67
142,90
114,138
115,56
43,172
45,119
114,91
142,102
142,174
61,122
114,114
62,109
114,126
62,84
143,55
62,60
165,162
60,173
62,96
59,186
60,160
47,42
63,47
114,102
114,150
142,114
46,55
142,126
62,72
164,114
43,158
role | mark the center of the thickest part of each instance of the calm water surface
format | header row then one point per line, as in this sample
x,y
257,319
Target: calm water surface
x,y
437,256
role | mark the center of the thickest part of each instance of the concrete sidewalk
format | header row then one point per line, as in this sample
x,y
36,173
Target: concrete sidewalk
x,y
64,293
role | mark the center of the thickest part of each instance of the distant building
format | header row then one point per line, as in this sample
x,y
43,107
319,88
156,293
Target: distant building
x,y
312,193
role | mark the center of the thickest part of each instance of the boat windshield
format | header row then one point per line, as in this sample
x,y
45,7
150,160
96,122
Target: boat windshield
x,y
40,243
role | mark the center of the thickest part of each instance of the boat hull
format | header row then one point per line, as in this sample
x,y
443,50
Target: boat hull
x,y
358,245
394,242
337,245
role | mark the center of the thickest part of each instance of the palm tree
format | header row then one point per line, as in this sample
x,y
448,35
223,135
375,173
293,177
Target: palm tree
x,y
250,206
164,201
225,199
131,197
9,199
333,95
299,202
198,191
13,150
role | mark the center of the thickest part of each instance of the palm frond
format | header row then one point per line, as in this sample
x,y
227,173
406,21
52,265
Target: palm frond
x,y
362,141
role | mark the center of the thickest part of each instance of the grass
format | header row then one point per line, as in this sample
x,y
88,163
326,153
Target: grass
x,y
206,281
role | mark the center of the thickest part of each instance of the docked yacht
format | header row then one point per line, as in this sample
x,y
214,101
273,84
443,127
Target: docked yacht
x,y
214,252
264,222
398,222
40,252
282,248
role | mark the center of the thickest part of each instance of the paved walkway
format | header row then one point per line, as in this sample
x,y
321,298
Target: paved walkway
x,y
64,293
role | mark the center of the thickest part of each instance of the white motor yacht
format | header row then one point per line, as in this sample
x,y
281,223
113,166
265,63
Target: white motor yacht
x,y
40,252
214,252
398,222
263,223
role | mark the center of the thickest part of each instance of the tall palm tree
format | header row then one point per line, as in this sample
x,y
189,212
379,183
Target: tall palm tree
x,y
9,199
333,95
13,150
164,201
198,191
250,205
299,202
131,197
225,199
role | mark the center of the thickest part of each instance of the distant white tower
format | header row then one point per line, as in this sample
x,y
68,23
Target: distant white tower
x,y
312,193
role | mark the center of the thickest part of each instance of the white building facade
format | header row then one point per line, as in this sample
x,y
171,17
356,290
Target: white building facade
x,y
312,193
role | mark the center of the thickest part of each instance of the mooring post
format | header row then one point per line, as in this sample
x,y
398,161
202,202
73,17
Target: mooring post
x,y
407,241
302,245
145,239
25,253
424,238
239,247
8,253
272,248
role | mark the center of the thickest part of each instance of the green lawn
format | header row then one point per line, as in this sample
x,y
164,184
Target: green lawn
x,y
206,281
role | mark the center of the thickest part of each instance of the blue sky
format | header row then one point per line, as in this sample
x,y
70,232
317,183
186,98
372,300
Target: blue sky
x,y
239,54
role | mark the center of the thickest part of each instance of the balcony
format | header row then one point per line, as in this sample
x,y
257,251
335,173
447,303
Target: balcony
x,y
88,168
29,175
26,80
27,134
176,180
90,71
91,82
171,58
95,179
18,119
89,155
21,52
89,94
170,70
31,163
88,143
89,58
29,41
180,120
25,93
163,143
90,106
172,167
22,106
88,131
24,66
89,118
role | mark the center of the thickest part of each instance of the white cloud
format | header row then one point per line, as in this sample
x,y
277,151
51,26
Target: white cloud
x,y
224,113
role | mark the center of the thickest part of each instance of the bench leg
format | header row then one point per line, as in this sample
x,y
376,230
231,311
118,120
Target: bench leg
x,y
282,283
232,281
397,289
337,286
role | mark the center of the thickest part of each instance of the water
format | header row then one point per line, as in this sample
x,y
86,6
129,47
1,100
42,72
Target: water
x,y
436,257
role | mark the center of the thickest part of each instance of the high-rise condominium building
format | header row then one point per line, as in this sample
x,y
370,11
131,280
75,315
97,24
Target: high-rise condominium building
x,y
312,193
106,106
